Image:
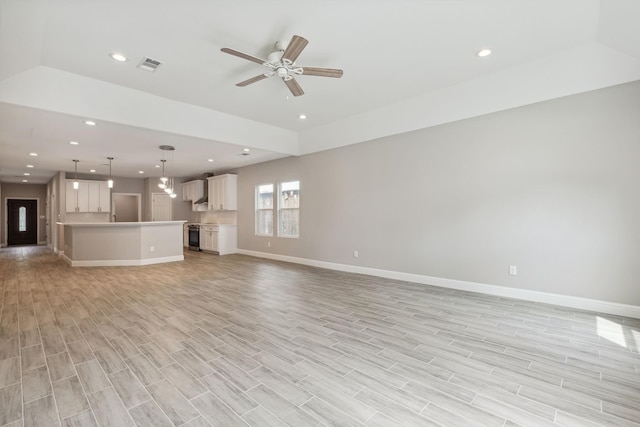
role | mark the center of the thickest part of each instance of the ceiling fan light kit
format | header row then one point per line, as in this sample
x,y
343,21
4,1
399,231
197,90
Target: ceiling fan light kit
x,y
282,63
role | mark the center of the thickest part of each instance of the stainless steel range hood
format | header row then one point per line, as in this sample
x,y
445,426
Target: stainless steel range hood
x,y
202,201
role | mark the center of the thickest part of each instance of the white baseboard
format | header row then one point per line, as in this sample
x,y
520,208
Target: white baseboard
x,y
522,294
122,262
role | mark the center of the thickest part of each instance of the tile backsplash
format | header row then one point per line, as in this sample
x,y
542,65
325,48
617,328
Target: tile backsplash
x,y
87,217
217,217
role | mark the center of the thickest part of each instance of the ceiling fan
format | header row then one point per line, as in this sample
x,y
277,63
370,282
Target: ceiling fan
x,y
282,63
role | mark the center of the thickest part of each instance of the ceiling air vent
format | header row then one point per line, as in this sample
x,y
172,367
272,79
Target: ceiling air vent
x,y
149,64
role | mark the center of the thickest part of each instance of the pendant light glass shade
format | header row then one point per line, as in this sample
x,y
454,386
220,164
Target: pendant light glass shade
x,y
110,180
76,184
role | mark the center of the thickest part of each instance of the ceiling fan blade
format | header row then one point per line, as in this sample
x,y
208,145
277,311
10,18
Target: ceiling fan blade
x,y
253,80
324,72
293,86
243,55
294,49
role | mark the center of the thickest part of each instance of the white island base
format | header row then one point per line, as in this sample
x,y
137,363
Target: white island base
x,y
122,243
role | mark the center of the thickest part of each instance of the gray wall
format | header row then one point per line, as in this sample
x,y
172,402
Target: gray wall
x,y
180,210
24,191
549,187
127,207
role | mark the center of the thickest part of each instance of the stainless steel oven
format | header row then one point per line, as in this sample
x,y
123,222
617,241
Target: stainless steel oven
x,y
194,237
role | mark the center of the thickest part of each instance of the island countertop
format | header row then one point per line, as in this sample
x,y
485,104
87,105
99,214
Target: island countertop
x,y
121,224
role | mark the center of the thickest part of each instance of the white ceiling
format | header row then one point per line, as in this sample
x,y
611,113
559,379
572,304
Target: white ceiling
x,y
407,64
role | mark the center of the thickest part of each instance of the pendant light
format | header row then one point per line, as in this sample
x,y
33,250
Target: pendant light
x,y
76,184
166,183
110,181
163,179
172,194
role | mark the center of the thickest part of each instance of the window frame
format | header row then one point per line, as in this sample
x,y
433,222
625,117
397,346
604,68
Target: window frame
x,y
258,209
280,209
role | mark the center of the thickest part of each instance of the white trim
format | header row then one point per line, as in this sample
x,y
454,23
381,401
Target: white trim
x,y
522,294
122,262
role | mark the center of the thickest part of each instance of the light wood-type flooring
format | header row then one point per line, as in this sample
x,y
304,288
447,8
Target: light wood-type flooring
x,y
237,341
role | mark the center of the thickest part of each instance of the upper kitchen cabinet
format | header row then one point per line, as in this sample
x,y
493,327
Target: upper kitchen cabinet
x,y
223,192
91,196
193,190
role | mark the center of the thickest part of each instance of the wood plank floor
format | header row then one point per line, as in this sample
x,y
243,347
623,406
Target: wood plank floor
x,y
241,341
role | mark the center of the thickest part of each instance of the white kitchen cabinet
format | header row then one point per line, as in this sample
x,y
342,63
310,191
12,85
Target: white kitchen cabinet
x,y
99,196
222,238
209,238
71,197
193,190
91,196
223,192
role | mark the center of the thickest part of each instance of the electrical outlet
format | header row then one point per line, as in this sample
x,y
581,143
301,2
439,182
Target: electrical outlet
x,y
355,254
513,270
152,249
268,244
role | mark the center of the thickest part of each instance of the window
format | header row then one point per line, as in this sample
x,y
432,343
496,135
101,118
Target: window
x,y
264,210
289,209
22,219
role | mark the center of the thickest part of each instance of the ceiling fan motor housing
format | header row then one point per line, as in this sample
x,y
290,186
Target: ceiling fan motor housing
x,y
274,57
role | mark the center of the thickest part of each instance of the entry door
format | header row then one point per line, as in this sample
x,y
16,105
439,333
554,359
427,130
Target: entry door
x,y
161,207
22,222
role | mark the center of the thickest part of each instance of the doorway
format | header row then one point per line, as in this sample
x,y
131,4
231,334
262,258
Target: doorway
x,y
160,207
22,222
126,207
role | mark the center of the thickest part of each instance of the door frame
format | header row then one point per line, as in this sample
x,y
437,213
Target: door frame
x,y
138,197
6,218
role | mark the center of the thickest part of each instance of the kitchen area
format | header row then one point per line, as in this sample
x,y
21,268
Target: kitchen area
x,y
202,218
214,202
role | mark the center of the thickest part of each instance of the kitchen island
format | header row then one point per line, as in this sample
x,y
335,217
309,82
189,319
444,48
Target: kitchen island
x,y
122,243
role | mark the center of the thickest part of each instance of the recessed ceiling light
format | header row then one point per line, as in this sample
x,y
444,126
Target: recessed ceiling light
x,y
118,57
92,170
156,166
484,52
89,123
302,116
25,180
26,174
73,142
33,154
140,171
29,166
209,160
246,150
